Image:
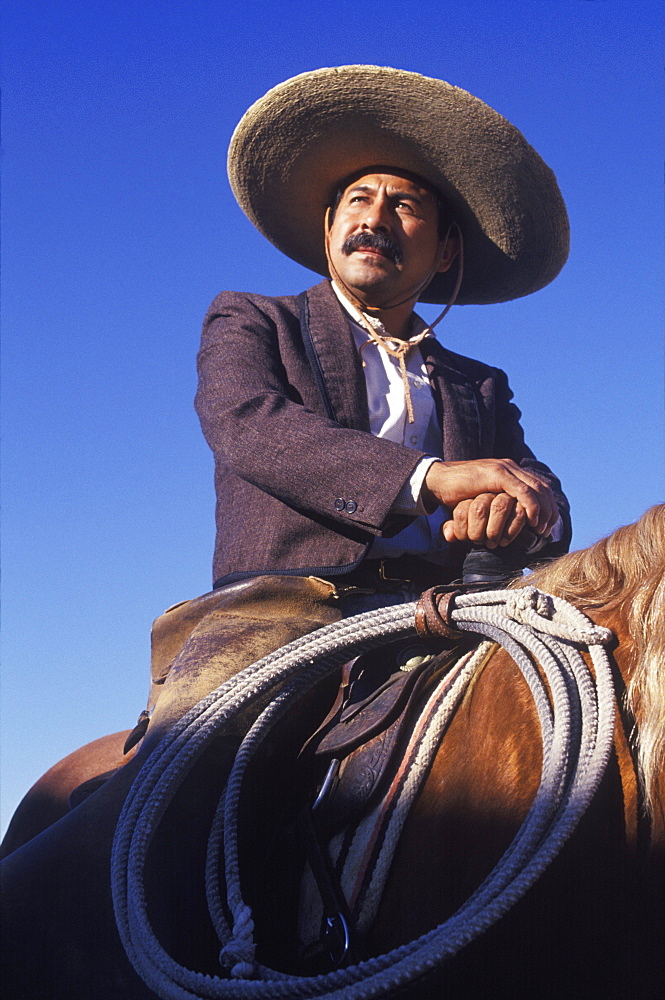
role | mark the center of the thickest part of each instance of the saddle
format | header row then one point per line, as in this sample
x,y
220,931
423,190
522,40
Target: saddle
x,y
378,697
361,744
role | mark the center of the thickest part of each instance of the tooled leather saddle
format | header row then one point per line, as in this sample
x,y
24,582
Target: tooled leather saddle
x,y
359,744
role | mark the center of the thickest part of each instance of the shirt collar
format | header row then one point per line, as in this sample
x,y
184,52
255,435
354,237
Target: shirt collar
x,y
417,324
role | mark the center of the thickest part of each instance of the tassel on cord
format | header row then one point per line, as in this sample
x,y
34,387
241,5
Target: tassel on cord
x,y
239,953
396,349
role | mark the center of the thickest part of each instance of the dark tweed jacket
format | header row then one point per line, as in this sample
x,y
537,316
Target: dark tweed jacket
x,y
302,486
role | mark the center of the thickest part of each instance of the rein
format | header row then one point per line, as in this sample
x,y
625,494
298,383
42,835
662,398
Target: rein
x,y
576,711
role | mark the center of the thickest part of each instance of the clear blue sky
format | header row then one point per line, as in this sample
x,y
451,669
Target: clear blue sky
x,y
119,228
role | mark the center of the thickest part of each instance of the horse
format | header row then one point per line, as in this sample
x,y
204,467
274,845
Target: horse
x,y
594,923
591,926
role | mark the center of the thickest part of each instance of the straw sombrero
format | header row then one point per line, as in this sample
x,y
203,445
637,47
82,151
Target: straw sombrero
x,y
293,147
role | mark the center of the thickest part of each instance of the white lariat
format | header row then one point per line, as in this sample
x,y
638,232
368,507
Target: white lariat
x,y
576,710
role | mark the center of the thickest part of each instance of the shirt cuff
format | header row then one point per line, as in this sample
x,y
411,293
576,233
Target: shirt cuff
x,y
409,501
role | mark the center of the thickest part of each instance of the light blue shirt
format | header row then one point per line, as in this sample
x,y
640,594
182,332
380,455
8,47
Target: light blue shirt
x,y
388,419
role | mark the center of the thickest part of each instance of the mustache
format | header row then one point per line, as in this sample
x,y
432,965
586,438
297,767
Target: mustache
x,y
374,241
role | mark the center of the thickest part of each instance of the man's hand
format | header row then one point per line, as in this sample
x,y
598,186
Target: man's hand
x,y
490,519
496,500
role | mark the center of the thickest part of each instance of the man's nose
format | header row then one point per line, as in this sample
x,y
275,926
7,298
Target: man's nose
x,y
377,217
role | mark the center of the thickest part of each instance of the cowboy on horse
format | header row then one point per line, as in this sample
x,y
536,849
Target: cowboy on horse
x,y
357,461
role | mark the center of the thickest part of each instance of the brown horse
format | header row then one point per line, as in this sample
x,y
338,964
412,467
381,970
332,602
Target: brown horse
x,y
591,927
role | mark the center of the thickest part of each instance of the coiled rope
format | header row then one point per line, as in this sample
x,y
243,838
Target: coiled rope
x,y
576,720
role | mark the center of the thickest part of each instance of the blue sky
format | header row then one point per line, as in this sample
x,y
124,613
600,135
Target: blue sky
x,y
119,228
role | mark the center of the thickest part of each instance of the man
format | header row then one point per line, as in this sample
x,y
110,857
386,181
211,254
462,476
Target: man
x,y
348,444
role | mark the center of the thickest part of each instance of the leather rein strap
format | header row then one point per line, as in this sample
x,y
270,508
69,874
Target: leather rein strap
x,y
433,614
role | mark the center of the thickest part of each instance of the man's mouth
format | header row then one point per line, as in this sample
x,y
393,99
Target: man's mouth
x,y
373,243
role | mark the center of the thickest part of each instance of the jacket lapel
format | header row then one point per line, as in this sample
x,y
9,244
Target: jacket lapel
x,y
454,392
456,402
338,357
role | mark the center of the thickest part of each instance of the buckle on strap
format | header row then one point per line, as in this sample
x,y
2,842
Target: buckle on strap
x,y
337,924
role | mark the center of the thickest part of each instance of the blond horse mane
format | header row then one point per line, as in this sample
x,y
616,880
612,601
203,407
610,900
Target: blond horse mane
x,y
625,573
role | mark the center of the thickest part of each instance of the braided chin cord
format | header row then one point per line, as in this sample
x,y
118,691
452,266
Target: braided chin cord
x,y
576,719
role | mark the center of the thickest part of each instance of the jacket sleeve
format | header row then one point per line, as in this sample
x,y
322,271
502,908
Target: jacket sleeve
x,y
262,416
511,436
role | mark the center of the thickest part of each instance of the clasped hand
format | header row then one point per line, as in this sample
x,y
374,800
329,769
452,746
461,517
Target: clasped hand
x,y
492,500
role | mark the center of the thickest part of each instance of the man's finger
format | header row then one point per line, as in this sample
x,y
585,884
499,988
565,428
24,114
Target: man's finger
x,y
538,503
548,512
489,519
515,526
501,515
456,529
478,514
448,531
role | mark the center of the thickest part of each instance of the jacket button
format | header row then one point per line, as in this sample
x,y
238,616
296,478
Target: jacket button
x,y
340,504
351,507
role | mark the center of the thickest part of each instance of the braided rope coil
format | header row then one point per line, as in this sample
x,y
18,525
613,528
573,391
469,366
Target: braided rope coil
x,y
576,721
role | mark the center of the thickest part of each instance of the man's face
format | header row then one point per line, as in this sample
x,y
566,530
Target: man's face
x,y
384,239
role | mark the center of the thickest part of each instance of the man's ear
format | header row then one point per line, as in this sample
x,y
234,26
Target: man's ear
x,y
450,250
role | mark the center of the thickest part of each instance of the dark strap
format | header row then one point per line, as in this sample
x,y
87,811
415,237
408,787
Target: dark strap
x,y
356,721
433,614
337,928
433,611
389,575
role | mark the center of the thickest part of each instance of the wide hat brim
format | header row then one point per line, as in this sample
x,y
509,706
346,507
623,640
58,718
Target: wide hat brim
x,y
293,147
